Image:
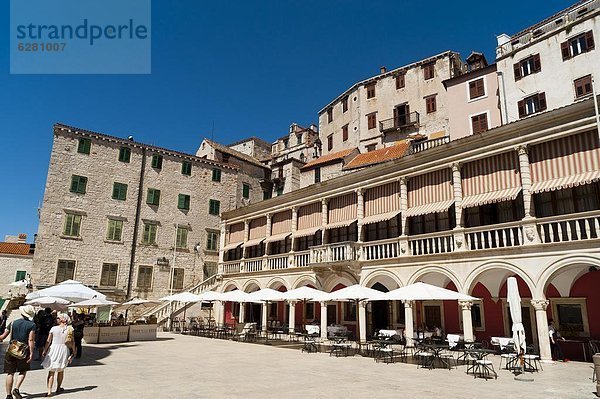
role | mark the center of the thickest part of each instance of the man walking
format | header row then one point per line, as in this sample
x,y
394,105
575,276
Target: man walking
x,y
22,330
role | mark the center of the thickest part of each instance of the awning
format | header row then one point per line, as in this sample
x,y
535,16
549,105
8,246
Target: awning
x,y
251,243
343,223
232,246
342,210
566,182
277,237
306,232
434,207
382,200
491,197
380,218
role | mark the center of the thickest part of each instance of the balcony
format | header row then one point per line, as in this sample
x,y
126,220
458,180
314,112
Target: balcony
x,y
399,123
418,146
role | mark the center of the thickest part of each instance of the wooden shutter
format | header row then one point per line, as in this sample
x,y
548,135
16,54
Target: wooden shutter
x,y
537,64
589,40
472,90
521,107
565,50
517,69
542,100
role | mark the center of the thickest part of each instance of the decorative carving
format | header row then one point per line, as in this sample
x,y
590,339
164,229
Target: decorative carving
x,y
362,304
540,304
465,305
456,167
522,149
403,247
458,240
530,233
408,304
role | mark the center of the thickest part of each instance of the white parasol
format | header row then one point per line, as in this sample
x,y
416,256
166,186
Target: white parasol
x,y
94,303
49,302
71,290
424,292
305,294
185,297
514,301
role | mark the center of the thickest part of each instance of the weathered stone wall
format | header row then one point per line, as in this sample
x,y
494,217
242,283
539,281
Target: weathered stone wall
x,y
9,266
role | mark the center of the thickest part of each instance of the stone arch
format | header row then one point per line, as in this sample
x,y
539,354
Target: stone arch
x,y
503,270
276,283
230,286
305,279
385,277
249,284
564,272
334,279
426,274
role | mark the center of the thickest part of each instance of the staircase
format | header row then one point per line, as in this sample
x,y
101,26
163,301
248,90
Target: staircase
x,y
163,312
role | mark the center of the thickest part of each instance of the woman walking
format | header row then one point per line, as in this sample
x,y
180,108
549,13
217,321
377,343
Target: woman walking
x,y
58,357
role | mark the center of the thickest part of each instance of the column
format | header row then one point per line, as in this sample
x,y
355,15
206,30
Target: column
x,y
246,235
467,320
324,321
360,212
458,233
294,225
223,234
264,314
292,317
530,231
324,218
408,323
362,321
541,320
268,228
242,312
403,203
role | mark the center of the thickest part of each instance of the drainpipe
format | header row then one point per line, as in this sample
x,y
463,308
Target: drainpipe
x,y
136,225
505,113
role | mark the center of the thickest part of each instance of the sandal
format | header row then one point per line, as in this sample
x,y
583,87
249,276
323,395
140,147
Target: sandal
x,y
59,390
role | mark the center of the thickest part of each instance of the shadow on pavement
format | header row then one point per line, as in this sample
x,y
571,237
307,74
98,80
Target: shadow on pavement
x,y
66,391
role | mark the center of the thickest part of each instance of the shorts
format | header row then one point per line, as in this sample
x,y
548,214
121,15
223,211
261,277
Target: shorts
x,y
12,364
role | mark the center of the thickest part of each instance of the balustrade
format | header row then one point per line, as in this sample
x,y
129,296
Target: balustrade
x,y
277,262
302,259
582,226
496,236
384,249
427,244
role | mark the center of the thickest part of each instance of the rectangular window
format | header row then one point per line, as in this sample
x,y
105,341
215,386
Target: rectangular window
x,y
181,241
78,184
429,71
124,154
178,274
370,147
186,168
65,270
345,133
345,104
72,225
577,45
317,175
532,104
216,175
144,279
476,89
280,190
266,195
430,104
214,207
108,278
21,274
119,191
209,269
245,190
583,86
372,121
212,241
84,146
153,197
330,115
479,123
114,232
183,202
299,139
527,66
370,90
157,161
570,317
330,142
149,235
400,82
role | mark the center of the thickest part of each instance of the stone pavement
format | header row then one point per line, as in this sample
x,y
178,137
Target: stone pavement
x,y
178,366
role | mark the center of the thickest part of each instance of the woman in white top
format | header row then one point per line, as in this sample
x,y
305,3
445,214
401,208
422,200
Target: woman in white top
x,y
58,357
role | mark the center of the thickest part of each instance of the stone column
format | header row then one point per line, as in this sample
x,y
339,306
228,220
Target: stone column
x,y
264,314
360,212
408,323
246,235
530,231
541,320
294,225
467,320
224,230
458,232
324,321
324,218
292,317
403,204
362,321
242,312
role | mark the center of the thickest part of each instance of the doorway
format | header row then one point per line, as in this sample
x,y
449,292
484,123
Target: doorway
x,y
331,314
401,115
380,316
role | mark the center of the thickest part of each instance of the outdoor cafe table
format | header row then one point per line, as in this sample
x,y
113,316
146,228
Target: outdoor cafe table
x,y
436,350
477,354
502,342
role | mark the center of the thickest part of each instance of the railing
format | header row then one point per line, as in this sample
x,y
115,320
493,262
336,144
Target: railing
x,y
232,267
496,236
582,226
435,243
418,146
384,249
399,122
337,252
302,259
253,265
277,262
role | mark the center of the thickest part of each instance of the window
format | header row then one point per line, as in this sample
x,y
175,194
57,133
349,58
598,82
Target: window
x,y
370,90
532,104
372,121
177,283
431,222
476,89
286,143
309,310
183,202
72,225
577,45
349,311
299,139
400,82
119,191
317,175
570,318
245,190
21,274
212,241
144,279
157,161
330,115
149,235
280,190
225,158
181,241
302,157
114,231
65,270
108,277
209,269
84,146
214,207
153,197
479,123
429,71
345,104
186,168
78,184
382,230
267,194
430,105
216,175
124,154
345,133
527,66
583,86
582,198
330,142
370,147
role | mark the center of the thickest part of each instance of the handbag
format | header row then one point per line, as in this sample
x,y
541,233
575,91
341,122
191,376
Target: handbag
x,y
69,338
18,349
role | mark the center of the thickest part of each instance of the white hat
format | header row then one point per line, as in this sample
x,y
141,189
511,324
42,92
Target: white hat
x,y
27,311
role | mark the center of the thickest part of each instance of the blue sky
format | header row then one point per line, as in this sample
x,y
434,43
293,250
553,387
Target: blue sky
x,y
248,67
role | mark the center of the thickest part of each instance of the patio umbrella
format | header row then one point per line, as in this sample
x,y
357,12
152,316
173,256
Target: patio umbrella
x,y
94,303
138,302
514,301
424,292
266,295
49,302
70,290
210,297
185,297
305,294
237,296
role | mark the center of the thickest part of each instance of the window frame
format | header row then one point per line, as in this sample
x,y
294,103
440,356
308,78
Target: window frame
x,y
65,262
214,207
571,301
317,175
371,120
120,189
20,275
371,90
181,237
186,168
479,115
330,142
529,65
143,284
149,233
567,48
110,274
178,278
111,237
345,132
584,81
430,103
216,175
329,114
157,161
84,146
78,184
344,104
429,71
478,95
183,202
400,81
153,196
212,240
74,217
246,190
538,100
124,154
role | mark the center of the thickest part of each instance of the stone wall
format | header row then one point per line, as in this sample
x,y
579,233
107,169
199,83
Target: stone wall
x,y
9,266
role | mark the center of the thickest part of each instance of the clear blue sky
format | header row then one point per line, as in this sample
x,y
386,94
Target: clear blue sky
x,y
249,67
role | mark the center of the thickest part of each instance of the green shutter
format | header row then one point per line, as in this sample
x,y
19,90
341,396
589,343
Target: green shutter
x,y
157,161
214,207
216,175
246,190
124,154
78,184
84,146
183,202
153,197
21,274
186,168
119,191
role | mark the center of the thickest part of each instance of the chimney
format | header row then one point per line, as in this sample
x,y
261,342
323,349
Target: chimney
x,y
22,238
382,70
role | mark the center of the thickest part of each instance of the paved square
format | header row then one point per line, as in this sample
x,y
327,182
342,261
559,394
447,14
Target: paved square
x,y
178,366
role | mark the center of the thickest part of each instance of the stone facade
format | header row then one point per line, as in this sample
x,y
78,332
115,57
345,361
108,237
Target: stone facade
x,y
10,267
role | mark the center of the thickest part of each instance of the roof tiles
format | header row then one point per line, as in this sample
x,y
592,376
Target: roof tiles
x,y
335,156
378,156
13,248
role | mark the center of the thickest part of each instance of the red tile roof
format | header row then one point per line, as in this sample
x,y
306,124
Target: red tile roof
x,y
378,156
334,156
13,248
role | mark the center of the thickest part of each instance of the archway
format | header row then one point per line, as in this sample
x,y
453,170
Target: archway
x,y
253,311
383,314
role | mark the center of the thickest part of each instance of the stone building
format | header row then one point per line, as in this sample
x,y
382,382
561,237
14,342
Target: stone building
x,y
16,260
133,219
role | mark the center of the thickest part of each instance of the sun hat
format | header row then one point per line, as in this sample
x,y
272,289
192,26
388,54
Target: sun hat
x,y
27,311
65,317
